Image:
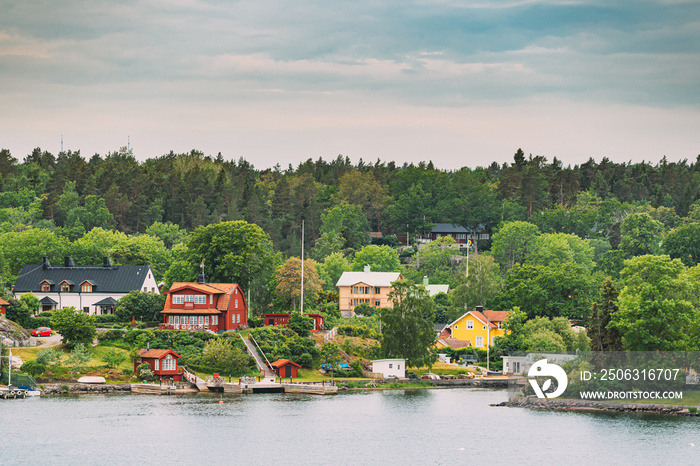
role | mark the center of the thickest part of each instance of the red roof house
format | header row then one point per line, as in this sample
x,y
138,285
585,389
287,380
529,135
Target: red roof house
x,y
275,319
204,306
319,319
3,306
285,368
163,363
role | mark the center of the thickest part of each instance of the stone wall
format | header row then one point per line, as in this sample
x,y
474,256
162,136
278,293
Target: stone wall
x,y
560,404
83,388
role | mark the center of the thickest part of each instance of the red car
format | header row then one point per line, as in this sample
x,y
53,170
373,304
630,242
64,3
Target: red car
x,y
41,332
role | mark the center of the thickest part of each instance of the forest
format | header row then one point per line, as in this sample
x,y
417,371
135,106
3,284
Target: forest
x,y
558,234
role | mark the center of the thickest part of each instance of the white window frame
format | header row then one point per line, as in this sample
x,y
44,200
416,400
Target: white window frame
x,y
215,320
201,320
200,299
189,298
479,341
235,303
157,364
470,325
178,299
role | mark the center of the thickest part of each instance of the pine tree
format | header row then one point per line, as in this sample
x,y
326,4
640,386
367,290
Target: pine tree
x,y
603,338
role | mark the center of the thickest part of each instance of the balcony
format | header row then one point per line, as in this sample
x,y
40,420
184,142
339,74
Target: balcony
x,y
187,327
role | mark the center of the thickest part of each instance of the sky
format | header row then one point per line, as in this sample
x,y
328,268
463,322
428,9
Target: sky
x,y
461,83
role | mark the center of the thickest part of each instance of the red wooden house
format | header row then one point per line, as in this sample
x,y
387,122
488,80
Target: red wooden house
x,y
319,319
163,363
3,306
275,319
285,368
204,306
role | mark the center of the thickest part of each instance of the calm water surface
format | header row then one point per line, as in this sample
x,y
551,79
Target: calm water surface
x,y
391,427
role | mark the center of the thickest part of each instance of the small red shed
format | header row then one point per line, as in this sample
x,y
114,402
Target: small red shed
x,y
276,319
319,319
285,368
163,363
3,306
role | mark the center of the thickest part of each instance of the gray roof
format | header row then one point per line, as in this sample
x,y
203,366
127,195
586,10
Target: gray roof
x,y
370,278
108,301
114,279
448,228
435,289
47,301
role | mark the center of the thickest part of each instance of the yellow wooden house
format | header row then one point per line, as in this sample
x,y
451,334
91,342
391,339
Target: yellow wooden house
x,y
479,327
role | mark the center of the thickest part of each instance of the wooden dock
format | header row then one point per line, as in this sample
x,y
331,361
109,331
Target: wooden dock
x,y
157,389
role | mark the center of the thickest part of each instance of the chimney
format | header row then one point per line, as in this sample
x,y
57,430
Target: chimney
x,y
425,280
201,279
68,261
480,308
367,268
46,265
106,262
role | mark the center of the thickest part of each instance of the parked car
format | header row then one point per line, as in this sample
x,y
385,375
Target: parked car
x,y
41,332
391,377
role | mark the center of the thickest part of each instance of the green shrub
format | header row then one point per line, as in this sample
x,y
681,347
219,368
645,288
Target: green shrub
x,y
42,321
33,368
49,357
111,335
65,388
114,358
145,372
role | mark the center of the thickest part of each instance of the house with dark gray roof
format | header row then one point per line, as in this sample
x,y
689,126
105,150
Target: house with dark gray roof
x,y
93,288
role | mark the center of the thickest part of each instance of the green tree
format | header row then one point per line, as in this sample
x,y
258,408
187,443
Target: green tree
x,y
511,242
483,283
684,243
653,314
408,326
114,358
288,281
168,232
227,358
49,357
31,301
379,258
78,357
75,327
438,261
332,268
139,305
144,249
301,324
602,337
19,313
33,368
559,248
233,252
641,235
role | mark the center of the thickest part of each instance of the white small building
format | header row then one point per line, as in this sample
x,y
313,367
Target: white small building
x,y
520,365
389,367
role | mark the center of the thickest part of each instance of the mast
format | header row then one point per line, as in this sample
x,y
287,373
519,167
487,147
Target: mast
x,y
302,268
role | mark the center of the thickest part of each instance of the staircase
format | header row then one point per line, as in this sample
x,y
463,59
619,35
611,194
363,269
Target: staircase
x,y
260,359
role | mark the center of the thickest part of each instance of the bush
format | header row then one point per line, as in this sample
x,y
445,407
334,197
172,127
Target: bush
x,y
106,319
114,358
33,368
35,322
49,357
111,335
45,314
144,372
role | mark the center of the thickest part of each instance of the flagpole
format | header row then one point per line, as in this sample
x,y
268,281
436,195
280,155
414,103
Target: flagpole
x,y
302,268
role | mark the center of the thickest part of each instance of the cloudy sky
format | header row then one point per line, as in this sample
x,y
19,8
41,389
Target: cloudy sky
x,y
462,83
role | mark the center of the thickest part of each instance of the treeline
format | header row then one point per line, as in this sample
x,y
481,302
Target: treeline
x,y
117,192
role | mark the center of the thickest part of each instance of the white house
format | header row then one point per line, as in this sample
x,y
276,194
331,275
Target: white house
x,y
520,365
389,367
93,288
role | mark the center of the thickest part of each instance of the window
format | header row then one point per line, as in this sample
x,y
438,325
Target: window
x,y
170,319
377,290
189,298
391,365
377,303
201,320
398,366
479,341
169,363
215,320
456,327
86,310
499,326
461,236
235,303
193,320
153,289
483,327
211,299
177,320
200,299
178,299
65,288
157,364
45,287
238,318
86,288
470,325
206,320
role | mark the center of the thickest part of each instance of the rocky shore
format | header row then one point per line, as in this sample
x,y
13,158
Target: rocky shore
x,y
560,404
84,388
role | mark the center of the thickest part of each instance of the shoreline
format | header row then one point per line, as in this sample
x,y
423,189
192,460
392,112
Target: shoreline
x,y
562,404
54,389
